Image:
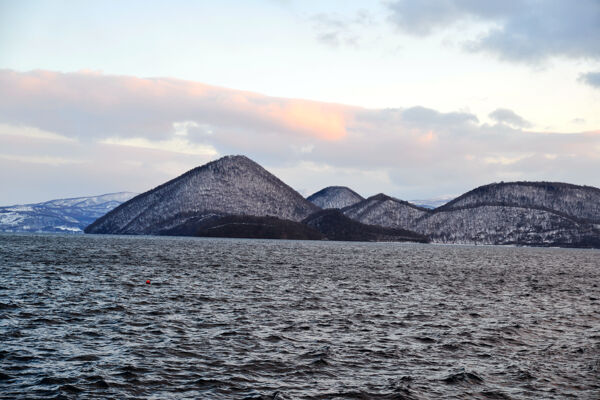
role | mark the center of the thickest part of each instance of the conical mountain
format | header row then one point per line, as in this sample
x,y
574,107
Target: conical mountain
x,y
335,197
232,185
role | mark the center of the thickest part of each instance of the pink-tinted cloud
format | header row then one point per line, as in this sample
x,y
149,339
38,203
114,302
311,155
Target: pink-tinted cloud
x,y
131,133
128,106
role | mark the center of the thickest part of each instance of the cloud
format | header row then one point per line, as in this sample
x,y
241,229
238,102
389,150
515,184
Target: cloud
x,y
175,145
335,31
321,174
135,133
181,128
46,160
424,18
509,117
133,102
591,78
507,160
519,30
422,116
32,133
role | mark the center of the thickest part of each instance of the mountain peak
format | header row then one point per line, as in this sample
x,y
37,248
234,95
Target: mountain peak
x,y
380,197
231,185
335,197
237,158
227,161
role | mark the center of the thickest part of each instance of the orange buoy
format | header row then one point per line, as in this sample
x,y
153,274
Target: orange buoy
x,y
148,282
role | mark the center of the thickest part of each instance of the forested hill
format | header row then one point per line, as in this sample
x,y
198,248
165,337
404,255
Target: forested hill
x,y
232,185
335,197
522,213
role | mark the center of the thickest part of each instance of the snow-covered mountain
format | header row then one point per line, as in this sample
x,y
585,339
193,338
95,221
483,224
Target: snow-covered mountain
x,y
335,197
527,213
572,200
533,213
232,185
386,211
62,215
496,224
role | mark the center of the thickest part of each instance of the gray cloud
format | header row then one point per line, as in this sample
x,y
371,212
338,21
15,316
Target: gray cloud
x,y
426,17
427,117
522,31
335,30
506,116
591,78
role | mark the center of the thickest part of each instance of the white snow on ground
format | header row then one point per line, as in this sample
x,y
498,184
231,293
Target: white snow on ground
x,y
71,215
10,218
20,208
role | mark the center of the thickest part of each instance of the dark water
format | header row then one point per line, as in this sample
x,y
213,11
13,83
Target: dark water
x,y
235,319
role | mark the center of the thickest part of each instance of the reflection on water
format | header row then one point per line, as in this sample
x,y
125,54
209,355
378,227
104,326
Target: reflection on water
x,y
295,320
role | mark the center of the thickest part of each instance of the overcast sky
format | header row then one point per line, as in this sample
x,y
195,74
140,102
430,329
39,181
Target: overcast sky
x,y
414,99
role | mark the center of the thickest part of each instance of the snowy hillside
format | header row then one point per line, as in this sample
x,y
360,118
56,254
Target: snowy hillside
x,y
62,215
490,224
572,200
386,211
527,213
232,185
335,197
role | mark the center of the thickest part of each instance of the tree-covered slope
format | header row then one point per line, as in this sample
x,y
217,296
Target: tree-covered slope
x,y
232,185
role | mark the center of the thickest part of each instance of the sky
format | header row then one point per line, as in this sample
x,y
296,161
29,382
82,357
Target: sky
x,y
417,100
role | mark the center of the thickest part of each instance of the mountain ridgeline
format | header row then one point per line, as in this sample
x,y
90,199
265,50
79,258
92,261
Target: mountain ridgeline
x,y
235,197
519,213
63,215
232,185
386,211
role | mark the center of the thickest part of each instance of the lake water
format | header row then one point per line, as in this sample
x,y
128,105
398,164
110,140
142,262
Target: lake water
x,y
237,319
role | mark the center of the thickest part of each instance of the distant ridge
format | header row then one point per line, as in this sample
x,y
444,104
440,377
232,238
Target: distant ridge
x,y
232,185
70,215
335,197
522,213
432,203
386,211
581,202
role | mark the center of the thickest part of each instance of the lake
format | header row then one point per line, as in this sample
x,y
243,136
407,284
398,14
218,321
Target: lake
x,y
267,319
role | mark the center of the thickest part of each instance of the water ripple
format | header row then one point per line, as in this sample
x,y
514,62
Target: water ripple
x,y
247,319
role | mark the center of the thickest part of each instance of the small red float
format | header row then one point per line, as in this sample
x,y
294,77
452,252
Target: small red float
x,y
148,282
